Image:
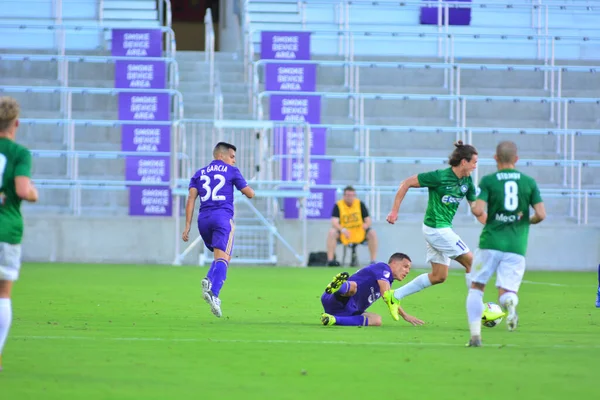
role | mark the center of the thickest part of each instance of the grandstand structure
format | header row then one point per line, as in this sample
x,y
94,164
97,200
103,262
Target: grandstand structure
x,y
394,85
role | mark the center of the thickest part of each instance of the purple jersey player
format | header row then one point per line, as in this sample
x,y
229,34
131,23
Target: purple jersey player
x,y
215,185
347,298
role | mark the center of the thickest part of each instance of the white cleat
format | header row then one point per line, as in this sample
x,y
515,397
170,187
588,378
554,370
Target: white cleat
x,y
214,303
208,296
512,319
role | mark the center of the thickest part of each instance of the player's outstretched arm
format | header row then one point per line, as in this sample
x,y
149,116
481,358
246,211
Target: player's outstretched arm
x,y
189,213
409,318
412,182
248,192
25,189
539,215
478,208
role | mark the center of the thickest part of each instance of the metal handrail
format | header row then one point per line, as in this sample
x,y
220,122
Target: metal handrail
x,y
172,63
445,45
171,46
452,75
165,13
178,107
558,4
209,48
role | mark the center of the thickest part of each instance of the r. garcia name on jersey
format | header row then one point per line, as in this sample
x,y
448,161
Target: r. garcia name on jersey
x,y
508,218
216,168
447,199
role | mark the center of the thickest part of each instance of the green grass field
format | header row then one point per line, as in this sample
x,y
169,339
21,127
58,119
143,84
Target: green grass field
x,y
143,332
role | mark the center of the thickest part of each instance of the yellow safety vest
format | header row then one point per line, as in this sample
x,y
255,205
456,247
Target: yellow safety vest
x,y
351,219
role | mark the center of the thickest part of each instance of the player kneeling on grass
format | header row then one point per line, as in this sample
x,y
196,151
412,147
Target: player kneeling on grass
x,y
347,297
508,194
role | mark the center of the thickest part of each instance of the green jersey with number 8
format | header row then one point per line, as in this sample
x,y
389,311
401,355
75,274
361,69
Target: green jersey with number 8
x,y
509,194
15,160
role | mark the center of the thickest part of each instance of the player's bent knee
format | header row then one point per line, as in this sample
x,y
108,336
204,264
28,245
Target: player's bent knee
x,y
466,260
438,278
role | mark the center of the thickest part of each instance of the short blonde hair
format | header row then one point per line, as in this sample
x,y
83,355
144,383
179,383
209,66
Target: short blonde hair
x,y
9,112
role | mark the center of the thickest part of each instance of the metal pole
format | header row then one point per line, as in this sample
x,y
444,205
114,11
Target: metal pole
x,y
446,18
559,102
573,167
458,105
439,24
464,115
305,199
585,207
565,142
579,195
452,90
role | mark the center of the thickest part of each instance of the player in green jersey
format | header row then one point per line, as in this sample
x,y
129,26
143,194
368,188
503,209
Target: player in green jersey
x,y
447,187
508,194
15,186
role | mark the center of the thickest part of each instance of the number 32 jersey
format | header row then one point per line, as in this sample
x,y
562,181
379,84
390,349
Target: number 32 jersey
x,y
509,194
215,184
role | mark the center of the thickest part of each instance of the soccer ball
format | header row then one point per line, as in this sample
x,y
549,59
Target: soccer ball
x,y
491,308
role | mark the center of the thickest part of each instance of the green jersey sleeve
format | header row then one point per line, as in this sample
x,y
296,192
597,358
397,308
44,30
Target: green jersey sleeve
x,y
483,190
429,179
536,197
23,163
471,192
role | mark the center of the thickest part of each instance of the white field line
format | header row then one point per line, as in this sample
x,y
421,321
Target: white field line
x,y
305,342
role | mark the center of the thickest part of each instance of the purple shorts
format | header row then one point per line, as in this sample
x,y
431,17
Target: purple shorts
x,y
338,305
217,233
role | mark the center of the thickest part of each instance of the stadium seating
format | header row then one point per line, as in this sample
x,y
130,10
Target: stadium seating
x,y
395,94
390,87
69,104
84,21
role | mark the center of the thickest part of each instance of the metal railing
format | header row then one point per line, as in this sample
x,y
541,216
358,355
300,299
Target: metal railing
x,y
375,192
575,192
553,77
214,80
176,109
165,14
61,30
256,143
446,42
540,10
209,48
64,60
163,9
461,101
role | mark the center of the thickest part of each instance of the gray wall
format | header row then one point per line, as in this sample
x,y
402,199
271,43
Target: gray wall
x,y
552,246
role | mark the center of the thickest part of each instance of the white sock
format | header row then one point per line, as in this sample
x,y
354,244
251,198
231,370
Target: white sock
x,y
416,285
509,297
5,320
468,279
475,311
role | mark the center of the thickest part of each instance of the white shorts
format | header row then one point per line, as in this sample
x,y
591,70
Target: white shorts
x,y
443,244
10,261
509,268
